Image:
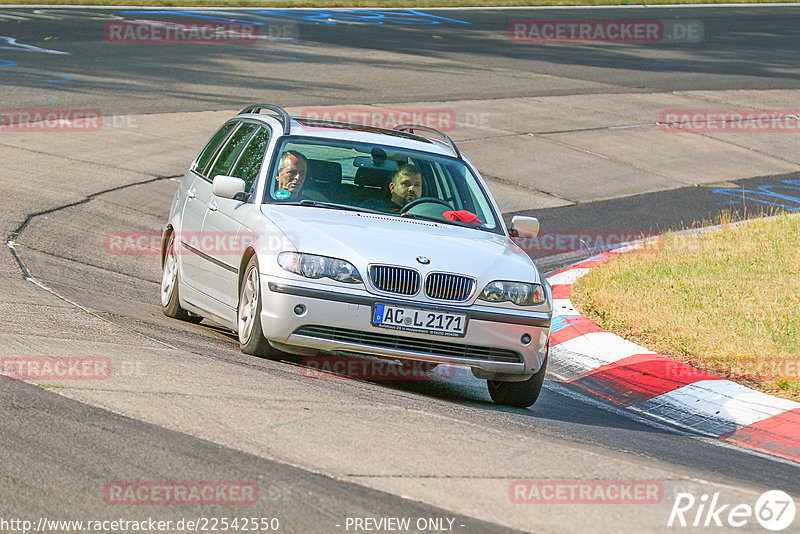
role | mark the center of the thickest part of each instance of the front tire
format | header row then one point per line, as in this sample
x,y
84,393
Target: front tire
x,y
251,337
170,303
518,394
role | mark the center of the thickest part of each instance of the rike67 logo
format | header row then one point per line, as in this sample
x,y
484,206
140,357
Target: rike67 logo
x,y
774,510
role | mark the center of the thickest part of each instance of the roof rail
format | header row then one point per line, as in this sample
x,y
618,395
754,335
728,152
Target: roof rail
x,y
283,116
411,127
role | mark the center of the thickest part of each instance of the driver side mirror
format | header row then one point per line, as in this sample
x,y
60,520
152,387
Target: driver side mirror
x,y
523,225
229,187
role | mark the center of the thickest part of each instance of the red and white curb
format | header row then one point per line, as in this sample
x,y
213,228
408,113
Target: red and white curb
x,y
631,376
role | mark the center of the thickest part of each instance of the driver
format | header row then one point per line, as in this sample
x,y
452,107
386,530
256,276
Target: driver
x,y
405,187
292,169
292,172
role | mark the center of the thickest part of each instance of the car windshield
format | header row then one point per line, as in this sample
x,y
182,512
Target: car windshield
x,y
347,175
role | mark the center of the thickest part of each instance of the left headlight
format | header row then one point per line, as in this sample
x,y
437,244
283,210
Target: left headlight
x,y
520,293
313,266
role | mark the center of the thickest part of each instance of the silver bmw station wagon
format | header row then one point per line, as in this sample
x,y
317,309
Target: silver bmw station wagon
x,y
316,237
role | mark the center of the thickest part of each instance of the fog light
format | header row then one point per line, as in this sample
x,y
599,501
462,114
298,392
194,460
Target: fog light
x,y
525,339
299,309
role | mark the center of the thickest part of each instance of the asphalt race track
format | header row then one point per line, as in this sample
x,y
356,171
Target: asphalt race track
x,y
184,404
349,59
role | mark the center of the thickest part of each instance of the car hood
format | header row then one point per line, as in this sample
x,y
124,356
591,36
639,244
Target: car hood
x,y
366,238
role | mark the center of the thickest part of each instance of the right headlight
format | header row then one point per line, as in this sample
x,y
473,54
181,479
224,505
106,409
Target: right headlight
x,y
313,266
520,293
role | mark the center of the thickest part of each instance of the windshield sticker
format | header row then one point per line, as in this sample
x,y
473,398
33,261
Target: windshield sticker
x,y
283,194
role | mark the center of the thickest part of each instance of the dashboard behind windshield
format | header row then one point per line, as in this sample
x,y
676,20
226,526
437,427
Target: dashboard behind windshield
x,y
382,179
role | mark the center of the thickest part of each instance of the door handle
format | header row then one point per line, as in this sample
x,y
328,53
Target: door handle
x,y
190,194
212,206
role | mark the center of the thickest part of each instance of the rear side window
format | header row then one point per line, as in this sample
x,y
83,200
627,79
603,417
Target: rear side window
x,y
205,156
250,161
228,154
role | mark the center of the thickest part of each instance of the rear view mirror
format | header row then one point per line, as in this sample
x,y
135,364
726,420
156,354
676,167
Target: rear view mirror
x,y
228,187
372,163
524,226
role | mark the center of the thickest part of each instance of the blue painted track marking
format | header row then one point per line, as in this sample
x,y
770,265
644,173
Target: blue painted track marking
x,y
766,194
327,16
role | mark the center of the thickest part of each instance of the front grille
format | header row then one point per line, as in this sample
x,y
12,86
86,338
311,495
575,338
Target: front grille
x,y
398,280
425,346
443,286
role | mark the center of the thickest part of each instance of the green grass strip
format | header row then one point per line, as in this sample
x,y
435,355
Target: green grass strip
x,y
725,301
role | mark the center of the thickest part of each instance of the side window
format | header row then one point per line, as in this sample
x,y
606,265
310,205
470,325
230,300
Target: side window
x,y
228,154
211,147
250,161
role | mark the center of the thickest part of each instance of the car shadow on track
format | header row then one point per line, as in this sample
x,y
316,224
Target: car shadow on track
x,y
559,404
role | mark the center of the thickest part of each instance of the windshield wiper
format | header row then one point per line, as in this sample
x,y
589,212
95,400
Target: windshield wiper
x,y
438,220
332,205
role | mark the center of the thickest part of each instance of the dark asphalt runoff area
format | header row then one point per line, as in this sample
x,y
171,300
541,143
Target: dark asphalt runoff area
x,y
615,221
57,454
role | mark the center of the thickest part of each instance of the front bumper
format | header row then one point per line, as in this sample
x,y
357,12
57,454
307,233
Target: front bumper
x,y
336,321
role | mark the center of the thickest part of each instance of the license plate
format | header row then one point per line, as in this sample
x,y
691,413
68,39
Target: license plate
x,y
416,320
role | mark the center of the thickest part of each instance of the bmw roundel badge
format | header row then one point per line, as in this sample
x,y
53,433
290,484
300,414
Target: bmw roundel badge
x,y
423,260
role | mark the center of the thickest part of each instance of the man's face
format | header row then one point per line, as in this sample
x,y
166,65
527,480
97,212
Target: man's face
x,y
406,189
293,174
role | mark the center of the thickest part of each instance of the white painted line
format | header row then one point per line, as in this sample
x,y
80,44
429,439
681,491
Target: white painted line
x,y
596,349
564,307
723,399
567,277
592,400
649,419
